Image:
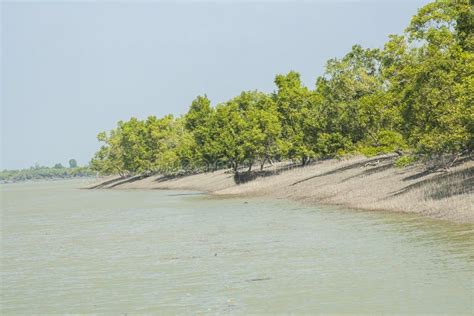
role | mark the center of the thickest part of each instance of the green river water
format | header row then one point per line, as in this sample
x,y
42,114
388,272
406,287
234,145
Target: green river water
x,y
66,250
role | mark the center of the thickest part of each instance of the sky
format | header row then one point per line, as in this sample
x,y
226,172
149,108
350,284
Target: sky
x,y
72,69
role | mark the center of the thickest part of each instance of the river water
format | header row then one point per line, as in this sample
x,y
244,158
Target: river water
x,y
65,250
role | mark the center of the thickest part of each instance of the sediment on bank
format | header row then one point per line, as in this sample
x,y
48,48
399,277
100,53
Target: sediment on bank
x,y
358,182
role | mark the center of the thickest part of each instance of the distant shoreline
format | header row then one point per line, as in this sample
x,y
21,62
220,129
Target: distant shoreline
x,y
359,183
46,179
42,173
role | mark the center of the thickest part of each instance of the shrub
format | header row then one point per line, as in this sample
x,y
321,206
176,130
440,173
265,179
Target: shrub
x,y
405,161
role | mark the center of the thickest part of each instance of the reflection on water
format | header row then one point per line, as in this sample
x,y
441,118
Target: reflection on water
x,y
77,251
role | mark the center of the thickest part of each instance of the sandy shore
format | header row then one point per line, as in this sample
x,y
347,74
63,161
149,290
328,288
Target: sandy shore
x,y
360,183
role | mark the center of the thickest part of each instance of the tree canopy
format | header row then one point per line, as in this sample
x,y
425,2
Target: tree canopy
x,y
413,96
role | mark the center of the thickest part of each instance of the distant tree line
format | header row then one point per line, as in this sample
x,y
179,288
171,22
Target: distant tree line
x,y
413,97
37,172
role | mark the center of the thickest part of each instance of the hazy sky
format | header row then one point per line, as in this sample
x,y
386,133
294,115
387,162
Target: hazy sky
x,y
71,70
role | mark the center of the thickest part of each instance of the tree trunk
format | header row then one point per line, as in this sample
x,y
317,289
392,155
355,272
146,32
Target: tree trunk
x,y
263,163
303,161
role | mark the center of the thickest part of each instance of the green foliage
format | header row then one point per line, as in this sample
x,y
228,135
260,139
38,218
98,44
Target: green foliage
x,y
434,83
405,161
202,124
109,159
332,145
384,142
296,105
199,113
248,127
414,95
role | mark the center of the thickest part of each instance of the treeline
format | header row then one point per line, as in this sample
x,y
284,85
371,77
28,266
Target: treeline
x,y
413,97
45,173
